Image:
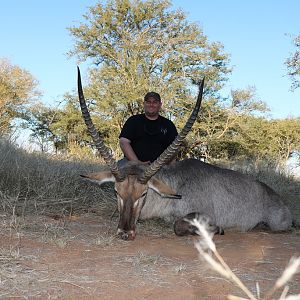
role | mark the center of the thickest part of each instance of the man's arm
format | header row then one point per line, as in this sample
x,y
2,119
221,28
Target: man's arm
x,y
125,145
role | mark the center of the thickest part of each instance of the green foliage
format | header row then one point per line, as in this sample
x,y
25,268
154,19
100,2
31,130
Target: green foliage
x,y
234,130
69,127
293,64
260,139
17,89
137,46
39,119
59,127
219,133
286,138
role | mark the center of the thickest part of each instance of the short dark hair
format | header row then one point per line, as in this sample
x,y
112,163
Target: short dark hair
x,y
152,95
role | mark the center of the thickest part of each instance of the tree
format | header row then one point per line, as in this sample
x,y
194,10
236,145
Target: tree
x,y
17,89
57,128
293,65
220,132
275,140
68,127
286,138
39,119
137,46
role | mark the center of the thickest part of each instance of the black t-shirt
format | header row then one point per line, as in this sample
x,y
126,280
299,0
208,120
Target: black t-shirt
x,y
149,138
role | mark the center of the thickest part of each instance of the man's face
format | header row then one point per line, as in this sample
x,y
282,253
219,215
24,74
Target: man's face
x,y
152,107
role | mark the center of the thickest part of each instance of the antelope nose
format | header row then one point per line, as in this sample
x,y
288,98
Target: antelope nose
x,y
125,236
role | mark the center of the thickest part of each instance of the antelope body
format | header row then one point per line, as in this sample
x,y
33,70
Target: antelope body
x,y
224,197
228,198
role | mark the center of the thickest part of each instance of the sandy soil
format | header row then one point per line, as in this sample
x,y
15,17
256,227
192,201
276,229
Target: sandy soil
x,y
81,258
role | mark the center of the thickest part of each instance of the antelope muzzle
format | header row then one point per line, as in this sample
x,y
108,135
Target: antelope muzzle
x,y
126,235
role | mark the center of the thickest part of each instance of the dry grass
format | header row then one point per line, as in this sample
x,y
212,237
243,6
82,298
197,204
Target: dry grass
x,y
95,262
150,268
270,173
57,234
142,259
105,239
36,183
209,253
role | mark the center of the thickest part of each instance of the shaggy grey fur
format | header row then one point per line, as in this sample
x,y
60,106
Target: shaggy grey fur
x,y
228,198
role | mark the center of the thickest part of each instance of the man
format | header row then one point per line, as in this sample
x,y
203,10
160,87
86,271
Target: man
x,y
145,136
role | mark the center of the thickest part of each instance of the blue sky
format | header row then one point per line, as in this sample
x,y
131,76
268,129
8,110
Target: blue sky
x,y
256,33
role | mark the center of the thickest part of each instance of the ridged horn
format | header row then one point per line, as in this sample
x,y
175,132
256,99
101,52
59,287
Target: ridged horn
x,y
174,147
103,150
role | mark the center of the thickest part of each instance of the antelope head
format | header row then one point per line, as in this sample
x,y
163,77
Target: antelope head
x,y
132,181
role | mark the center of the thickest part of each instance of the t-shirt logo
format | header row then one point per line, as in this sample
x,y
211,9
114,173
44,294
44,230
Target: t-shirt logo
x,y
164,131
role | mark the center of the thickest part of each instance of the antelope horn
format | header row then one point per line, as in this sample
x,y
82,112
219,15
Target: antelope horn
x,y
174,147
104,151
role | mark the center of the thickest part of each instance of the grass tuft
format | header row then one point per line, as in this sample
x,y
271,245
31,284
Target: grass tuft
x,y
209,253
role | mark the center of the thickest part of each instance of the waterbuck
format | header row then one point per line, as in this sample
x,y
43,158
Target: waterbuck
x,y
224,197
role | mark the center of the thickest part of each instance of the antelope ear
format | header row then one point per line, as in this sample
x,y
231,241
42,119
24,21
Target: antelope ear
x,y
163,189
100,177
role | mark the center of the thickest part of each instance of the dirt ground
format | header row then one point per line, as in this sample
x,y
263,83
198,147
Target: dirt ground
x,y
81,258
